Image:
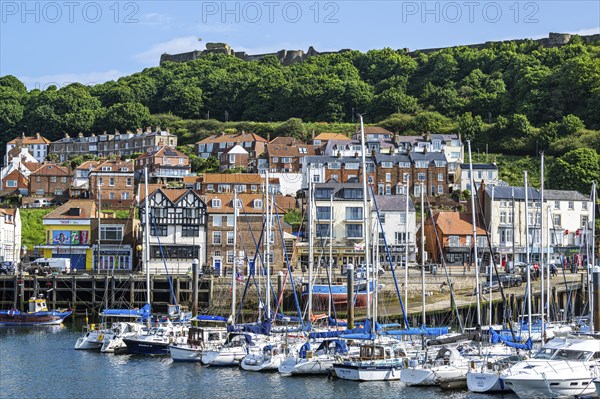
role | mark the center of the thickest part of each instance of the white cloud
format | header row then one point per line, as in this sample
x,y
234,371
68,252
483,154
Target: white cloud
x,y
174,46
63,79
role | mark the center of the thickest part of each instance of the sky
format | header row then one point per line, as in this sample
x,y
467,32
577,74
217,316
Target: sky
x,y
59,42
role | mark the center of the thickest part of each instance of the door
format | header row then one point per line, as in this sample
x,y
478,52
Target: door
x,y
217,266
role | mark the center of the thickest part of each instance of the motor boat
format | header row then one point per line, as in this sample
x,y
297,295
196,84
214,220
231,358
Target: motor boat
x,y
566,367
376,362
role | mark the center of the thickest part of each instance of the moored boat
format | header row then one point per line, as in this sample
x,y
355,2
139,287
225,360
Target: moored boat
x,y
37,315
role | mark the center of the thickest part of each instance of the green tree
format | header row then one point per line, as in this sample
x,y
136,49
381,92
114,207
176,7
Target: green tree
x,y
293,127
570,125
11,110
469,127
128,116
182,100
576,170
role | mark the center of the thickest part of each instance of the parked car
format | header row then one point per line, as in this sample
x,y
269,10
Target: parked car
x,y
7,267
507,280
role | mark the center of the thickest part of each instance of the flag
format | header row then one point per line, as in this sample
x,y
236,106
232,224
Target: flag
x,y
239,276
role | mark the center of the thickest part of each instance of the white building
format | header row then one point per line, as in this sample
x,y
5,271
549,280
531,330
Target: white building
x,y
37,146
486,172
10,235
177,229
571,218
395,229
504,209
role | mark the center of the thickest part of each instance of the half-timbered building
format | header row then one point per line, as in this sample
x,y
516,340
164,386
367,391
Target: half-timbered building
x,y
177,219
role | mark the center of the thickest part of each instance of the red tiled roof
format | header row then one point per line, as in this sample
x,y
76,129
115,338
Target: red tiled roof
x,y
232,138
51,169
325,136
277,150
455,223
28,140
283,203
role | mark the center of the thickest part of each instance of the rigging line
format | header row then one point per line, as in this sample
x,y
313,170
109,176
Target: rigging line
x,y
389,257
321,258
493,259
162,255
287,261
439,244
562,266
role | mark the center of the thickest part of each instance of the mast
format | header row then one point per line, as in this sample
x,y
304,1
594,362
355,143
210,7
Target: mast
x,y
549,213
593,244
330,252
99,235
365,214
268,244
147,237
234,269
474,221
542,244
527,256
310,239
492,265
423,316
514,220
406,251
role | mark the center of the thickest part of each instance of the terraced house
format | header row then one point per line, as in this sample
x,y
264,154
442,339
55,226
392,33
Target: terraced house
x,y
50,180
113,182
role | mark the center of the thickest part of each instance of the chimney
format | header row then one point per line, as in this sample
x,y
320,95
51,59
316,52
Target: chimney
x,y
23,135
148,129
268,137
356,155
117,131
67,135
80,135
139,130
312,134
37,135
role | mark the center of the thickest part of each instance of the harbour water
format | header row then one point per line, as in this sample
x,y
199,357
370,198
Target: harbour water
x,y
41,363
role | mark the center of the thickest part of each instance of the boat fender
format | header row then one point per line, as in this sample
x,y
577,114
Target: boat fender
x,y
100,337
12,312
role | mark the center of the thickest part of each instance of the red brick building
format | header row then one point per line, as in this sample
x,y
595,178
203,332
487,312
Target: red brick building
x,y
50,180
166,164
114,180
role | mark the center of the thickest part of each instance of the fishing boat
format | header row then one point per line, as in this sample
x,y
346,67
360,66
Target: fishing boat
x,y
37,314
339,294
566,367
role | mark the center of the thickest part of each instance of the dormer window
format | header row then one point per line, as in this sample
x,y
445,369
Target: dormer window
x,y
257,204
106,169
302,150
215,203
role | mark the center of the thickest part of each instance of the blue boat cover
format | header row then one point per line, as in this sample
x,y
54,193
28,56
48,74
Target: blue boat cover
x,y
303,349
144,312
339,345
206,317
263,328
508,341
427,331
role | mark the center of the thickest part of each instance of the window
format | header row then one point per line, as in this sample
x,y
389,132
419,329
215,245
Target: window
x,y
239,188
230,220
380,189
174,252
354,231
354,213
405,177
111,232
440,189
53,179
353,166
286,160
421,176
468,240
440,177
63,179
216,221
421,164
100,181
571,205
510,217
556,204
124,195
111,195
479,175
302,150
322,230
324,213
490,174
584,221
129,181
388,189
503,217
58,191
215,203
333,165
400,237
388,177
216,237
556,220
229,257
382,218
230,237
190,231
455,155
453,241
275,159
159,230
257,204
180,161
505,236
11,183
584,206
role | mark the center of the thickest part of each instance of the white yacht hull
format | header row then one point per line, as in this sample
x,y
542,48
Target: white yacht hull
x,y
529,386
295,366
433,376
259,363
185,353
486,382
223,358
367,372
91,341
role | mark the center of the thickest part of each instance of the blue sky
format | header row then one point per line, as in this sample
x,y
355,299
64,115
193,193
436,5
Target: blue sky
x,y
59,42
